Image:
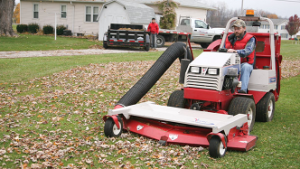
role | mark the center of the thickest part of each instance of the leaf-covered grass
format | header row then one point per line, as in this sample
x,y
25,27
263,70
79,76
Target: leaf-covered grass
x,y
51,111
27,42
56,120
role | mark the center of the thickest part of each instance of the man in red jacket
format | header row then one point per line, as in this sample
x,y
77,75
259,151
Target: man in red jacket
x,y
243,44
153,29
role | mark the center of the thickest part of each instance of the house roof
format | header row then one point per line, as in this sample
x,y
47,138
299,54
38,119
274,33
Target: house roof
x,y
138,13
185,3
277,21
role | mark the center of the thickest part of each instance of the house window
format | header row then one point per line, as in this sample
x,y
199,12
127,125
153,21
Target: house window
x,y
35,10
275,26
91,13
95,14
284,35
262,26
64,11
282,27
267,26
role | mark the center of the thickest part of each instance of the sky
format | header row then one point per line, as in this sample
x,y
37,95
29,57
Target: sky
x,y
283,8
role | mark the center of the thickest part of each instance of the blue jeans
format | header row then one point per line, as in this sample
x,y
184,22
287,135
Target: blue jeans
x,y
245,75
153,40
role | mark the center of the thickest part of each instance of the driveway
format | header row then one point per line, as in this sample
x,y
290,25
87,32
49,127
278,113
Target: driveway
x,y
24,54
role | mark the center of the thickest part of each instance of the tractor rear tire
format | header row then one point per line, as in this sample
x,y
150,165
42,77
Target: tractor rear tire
x,y
243,105
176,99
111,129
216,148
265,108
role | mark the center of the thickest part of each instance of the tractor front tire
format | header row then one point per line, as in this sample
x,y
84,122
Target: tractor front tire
x,y
265,108
176,99
243,105
216,148
111,129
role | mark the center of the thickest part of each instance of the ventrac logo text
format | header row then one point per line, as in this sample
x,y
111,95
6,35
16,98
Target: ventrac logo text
x,y
197,120
203,70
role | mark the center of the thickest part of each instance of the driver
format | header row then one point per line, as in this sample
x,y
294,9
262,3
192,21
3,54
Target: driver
x,y
244,44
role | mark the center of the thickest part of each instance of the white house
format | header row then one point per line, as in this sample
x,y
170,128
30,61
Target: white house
x,y
80,16
279,26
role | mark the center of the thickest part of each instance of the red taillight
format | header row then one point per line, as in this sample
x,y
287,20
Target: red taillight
x,y
141,41
111,40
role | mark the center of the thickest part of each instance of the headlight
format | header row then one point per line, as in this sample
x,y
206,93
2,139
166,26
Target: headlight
x,y
195,69
213,71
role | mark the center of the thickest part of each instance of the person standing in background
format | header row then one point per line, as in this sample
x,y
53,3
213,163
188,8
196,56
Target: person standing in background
x,y
153,29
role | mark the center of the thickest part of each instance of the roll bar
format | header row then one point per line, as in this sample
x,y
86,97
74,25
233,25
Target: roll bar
x,y
272,34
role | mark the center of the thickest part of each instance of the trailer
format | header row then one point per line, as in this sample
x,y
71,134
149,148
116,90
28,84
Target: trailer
x,y
126,35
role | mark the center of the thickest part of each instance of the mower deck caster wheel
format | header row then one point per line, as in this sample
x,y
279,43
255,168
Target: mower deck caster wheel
x,y
162,142
111,129
216,147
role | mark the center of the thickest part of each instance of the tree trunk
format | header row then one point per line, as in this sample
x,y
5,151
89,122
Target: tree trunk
x,y
6,14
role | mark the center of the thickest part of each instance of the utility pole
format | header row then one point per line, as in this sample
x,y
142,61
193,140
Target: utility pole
x,y
167,3
242,10
55,27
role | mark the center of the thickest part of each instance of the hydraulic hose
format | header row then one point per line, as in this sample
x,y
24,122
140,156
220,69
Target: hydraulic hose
x,y
176,50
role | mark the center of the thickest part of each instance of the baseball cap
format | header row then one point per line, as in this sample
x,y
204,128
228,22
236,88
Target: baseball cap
x,y
239,23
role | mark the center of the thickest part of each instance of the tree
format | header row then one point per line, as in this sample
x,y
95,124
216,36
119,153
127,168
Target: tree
x,y
167,7
6,14
293,26
220,17
272,16
16,15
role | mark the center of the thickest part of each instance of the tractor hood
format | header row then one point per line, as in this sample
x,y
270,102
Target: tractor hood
x,y
213,59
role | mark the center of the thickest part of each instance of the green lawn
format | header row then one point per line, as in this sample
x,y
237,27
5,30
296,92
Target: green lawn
x,y
290,50
27,42
51,111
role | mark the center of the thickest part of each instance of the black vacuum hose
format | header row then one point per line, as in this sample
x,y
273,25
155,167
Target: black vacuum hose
x,y
162,64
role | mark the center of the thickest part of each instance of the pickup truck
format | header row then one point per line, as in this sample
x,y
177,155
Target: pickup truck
x,y
200,32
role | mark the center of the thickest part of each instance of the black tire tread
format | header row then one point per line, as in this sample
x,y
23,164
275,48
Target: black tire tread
x,y
147,47
239,105
262,108
204,45
176,99
109,125
105,46
213,148
163,41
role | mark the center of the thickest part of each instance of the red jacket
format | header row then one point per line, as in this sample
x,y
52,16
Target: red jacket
x,y
241,44
153,28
